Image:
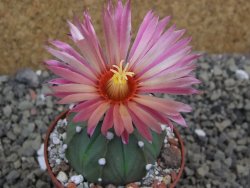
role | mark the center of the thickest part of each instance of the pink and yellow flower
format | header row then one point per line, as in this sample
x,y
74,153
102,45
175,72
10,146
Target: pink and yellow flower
x,y
115,83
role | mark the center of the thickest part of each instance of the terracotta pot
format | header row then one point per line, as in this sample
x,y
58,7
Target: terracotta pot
x,y
59,185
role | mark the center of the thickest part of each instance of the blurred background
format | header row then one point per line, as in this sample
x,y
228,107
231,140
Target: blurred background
x,y
217,26
218,138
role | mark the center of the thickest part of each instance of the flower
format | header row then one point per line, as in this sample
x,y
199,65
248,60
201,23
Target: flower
x,y
116,83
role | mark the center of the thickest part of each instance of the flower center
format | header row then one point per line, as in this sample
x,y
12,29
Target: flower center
x,y
118,84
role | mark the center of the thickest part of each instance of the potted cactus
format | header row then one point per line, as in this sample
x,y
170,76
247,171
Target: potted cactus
x,y
117,128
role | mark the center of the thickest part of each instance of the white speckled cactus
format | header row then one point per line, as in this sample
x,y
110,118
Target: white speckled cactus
x,y
107,159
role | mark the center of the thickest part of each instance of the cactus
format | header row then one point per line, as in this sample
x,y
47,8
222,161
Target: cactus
x,y
105,161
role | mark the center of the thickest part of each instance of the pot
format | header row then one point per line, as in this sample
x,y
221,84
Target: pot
x,y
59,185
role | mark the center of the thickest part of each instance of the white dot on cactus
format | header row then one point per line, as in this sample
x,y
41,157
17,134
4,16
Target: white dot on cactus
x,y
140,144
99,179
78,129
110,135
165,141
102,161
148,166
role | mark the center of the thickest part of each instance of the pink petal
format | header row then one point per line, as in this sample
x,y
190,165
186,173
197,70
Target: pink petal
x,y
59,95
118,124
157,115
174,74
85,113
139,37
96,116
90,45
166,106
143,38
141,126
164,62
174,91
85,105
117,28
55,63
75,88
108,121
73,62
59,81
69,75
178,119
68,49
158,49
78,98
75,32
125,137
126,118
151,122
176,83
185,63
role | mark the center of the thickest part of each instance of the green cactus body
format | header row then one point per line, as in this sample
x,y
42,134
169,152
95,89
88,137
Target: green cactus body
x,y
125,163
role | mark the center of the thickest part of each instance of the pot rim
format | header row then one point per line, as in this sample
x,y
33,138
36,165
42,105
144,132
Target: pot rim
x,y
59,185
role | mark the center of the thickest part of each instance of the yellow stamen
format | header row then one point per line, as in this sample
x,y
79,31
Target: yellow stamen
x,y
117,87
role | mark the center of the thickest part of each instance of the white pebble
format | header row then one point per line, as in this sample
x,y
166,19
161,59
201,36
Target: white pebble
x,y
53,134
58,161
65,122
200,132
77,179
140,144
148,166
167,179
78,129
40,152
61,150
71,106
64,136
55,140
62,177
99,179
163,127
42,97
102,161
38,72
160,179
62,155
241,75
65,146
85,185
60,123
110,135
41,162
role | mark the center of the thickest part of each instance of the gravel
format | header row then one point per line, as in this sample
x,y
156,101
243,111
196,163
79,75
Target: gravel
x,y
221,158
